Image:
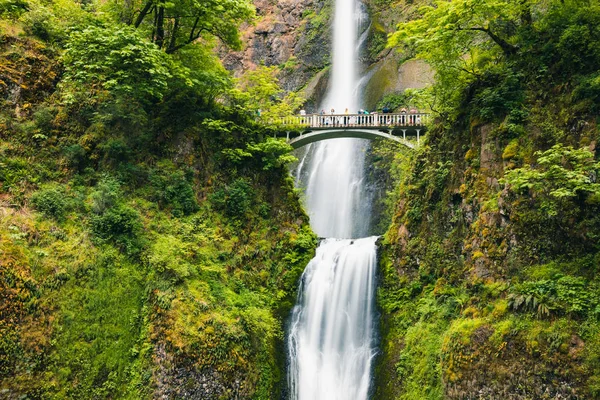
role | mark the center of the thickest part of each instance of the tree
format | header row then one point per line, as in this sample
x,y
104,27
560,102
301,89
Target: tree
x,y
117,59
172,25
462,38
258,91
457,26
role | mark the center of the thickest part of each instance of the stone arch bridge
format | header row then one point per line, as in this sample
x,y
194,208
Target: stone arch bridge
x,y
318,127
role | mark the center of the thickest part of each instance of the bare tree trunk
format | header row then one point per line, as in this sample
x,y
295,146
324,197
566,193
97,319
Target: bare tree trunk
x,y
173,35
143,13
160,27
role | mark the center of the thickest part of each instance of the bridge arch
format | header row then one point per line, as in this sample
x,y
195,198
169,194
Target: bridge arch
x,y
364,126
319,135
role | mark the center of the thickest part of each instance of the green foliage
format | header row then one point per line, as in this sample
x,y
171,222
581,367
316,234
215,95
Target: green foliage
x,y
117,59
123,271
418,364
565,295
408,98
173,190
488,51
196,67
113,221
172,26
40,21
457,39
502,92
561,174
121,225
274,153
51,20
52,200
13,8
258,92
516,92
100,318
115,151
168,255
236,199
107,194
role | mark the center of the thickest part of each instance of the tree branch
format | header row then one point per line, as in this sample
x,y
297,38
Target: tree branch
x,y
192,32
506,47
173,49
143,13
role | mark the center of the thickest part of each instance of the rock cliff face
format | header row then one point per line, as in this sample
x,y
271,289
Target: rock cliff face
x,y
293,34
296,35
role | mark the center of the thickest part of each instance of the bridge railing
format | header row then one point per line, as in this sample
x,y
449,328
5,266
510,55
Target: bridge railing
x,y
356,120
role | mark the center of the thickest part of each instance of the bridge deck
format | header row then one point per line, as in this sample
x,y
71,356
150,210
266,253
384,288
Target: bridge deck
x,y
364,121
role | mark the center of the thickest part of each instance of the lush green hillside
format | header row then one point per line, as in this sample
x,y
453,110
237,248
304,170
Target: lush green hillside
x,y
490,268
150,237
151,240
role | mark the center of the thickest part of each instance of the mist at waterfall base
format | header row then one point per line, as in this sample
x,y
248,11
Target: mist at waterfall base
x,y
331,340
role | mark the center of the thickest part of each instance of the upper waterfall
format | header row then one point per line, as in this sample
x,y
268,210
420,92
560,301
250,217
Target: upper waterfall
x,y
331,340
342,90
332,173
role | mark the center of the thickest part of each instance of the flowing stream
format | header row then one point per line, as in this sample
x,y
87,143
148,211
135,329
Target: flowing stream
x,y
331,338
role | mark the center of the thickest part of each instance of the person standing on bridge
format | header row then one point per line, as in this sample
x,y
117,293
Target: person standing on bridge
x,y
322,120
412,117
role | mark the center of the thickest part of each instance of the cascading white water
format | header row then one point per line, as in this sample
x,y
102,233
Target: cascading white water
x,y
331,338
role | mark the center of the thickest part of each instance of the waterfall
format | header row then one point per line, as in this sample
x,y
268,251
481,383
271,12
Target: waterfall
x,y
332,326
331,334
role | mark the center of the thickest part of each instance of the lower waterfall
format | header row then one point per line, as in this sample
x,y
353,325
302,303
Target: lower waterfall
x,y
331,341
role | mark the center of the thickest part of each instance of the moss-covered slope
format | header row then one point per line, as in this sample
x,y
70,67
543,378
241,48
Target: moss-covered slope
x,y
139,257
489,270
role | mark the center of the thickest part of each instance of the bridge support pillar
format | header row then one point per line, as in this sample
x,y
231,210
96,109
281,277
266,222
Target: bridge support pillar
x,y
287,136
418,136
404,134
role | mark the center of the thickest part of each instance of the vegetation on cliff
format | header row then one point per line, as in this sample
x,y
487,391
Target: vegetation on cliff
x,y
150,237
490,268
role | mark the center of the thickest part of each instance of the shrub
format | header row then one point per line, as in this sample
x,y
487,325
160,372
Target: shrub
x,y
175,191
107,194
560,174
76,156
498,94
115,151
565,295
236,199
51,201
118,59
121,225
274,153
168,256
13,8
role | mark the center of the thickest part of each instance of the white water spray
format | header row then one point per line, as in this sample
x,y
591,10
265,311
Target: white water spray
x,y
331,338
332,327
